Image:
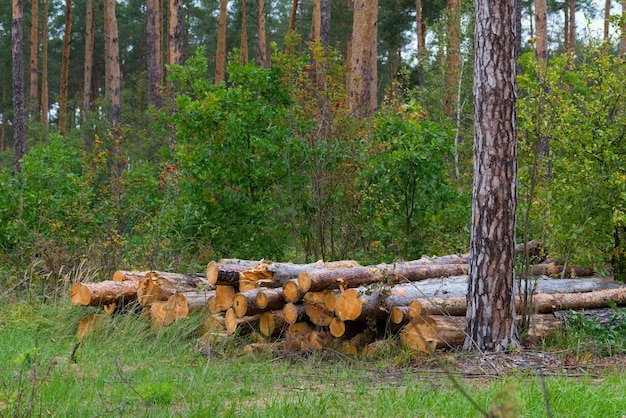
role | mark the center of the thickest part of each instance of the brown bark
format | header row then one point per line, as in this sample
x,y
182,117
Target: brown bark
x,y
103,293
159,286
494,195
90,28
293,15
112,63
175,20
154,52
453,56
294,313
268,274
122,275
622,39
362,85
227,273
315,308
421,42
401,272
34,50
316,21
541,38
243,46
220,54
325,10
261,46
300,336
245,304
270,299
19,107
607,17
572,26
44,65
65,68
556,270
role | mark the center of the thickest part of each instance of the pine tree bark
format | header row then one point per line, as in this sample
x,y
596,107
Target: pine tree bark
x,y
34,58
220,54
316,21
572,26
421,41
491,308
44,65
112,62
453,56
541,26
622,40
19,108
261,46
325,11
243,46
65,68
363,58
293,15
154,52
90,26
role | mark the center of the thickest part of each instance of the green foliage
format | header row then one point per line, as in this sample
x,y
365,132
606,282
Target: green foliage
x,y
589,335
578,108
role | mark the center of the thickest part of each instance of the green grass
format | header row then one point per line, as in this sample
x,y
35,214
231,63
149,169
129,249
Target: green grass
x,y
129,370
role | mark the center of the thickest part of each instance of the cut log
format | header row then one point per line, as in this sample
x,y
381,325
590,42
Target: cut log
x,y
245,304
195,301
399,315
291,291
159,286
356,304
554,269
226,274
91,324
438,306
294,313
224,296
270,299
331,298
339,328
272,323
315,308
212,324
269,274
103,293
123,275
301,337
402,272
164,313
244,323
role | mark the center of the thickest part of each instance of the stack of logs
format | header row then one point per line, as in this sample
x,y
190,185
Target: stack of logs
x,y
341,304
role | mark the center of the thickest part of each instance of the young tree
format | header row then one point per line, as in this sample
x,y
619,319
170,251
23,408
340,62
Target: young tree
x,y
112,62
65,68
491,308
154,52
19,109
34,48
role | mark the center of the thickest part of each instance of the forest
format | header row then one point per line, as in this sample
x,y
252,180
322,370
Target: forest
x,y
162,135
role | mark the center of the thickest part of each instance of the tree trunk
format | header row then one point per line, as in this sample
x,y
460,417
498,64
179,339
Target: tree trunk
x,y
315,21
269,274
272,323
228,273
243,46
175,30
453,56
154,52
607,17
622,39
159,286
541,38
315,308
244,323
325,11
245,303
294,313
112,63
421,48
65,68
293,15
220,54
90,27
291,291
34,70
104,293
363,58
270,299
261,46
566,38
491,308
19,108
44,65
572,26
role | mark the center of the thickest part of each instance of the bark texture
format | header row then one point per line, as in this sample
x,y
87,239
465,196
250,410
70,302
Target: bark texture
x,y
19,107
541,26
154,56
112,62
90,26
65,68
220,54
261,46
363,58
491,309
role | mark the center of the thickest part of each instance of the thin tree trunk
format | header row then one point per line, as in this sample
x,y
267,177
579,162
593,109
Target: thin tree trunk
x,y
541,38
261,54
421,52
316,21
34,70
325,6
622,40
293,15
491,308
154,52
65,68
19,108
220,55
112,62
572,25
3,134
243,47
44,65
453,55
90,26
566,28
607,17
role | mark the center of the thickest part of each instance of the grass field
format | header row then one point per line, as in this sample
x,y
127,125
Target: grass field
x,y
129,370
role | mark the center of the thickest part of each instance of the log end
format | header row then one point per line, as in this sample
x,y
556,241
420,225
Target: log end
x,y
240,305
266,324
212,272
291,293
80,295
304,281
337,327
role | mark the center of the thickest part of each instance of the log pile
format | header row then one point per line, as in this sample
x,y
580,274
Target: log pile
x,y
339,305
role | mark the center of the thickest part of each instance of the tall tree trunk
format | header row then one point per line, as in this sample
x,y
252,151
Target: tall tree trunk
x,y
220,54
363,76
154,52
261,46
316,21
176,32
65,68
19,108
112,77
34,70
607,17
325,6
3,134
421,51
293,15
541,26
566,28
90,26
243,47
491,308
453,55
44,65
572,25
622,40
